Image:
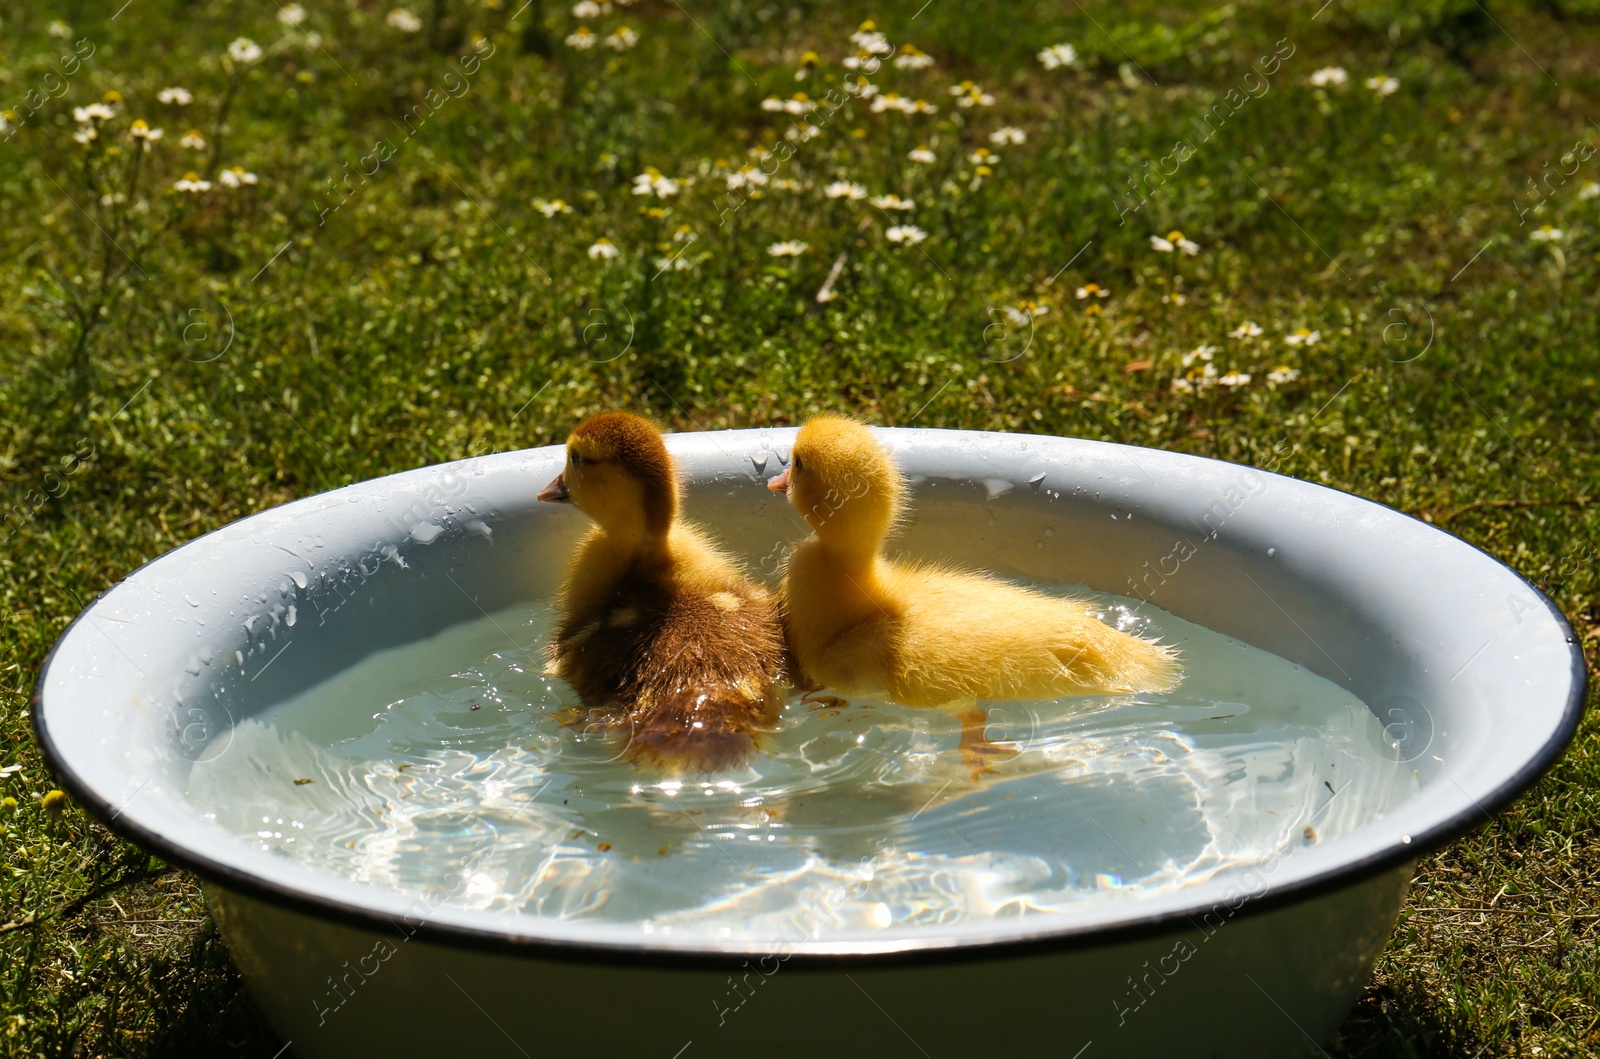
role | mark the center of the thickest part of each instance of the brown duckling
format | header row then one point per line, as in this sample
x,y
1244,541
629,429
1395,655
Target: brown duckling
x,y
660,633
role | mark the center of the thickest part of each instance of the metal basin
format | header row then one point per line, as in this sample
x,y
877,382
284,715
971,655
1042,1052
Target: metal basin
x,y
1474,674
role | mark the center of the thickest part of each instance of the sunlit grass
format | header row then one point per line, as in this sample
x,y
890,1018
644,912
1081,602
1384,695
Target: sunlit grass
x,y
398,287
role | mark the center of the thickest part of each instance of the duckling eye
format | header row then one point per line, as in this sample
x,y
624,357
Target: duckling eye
x,y
796,467
576,459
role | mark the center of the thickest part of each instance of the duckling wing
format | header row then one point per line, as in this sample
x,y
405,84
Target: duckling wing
x,y
973,635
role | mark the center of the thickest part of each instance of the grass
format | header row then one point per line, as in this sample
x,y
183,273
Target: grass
x,y
173,361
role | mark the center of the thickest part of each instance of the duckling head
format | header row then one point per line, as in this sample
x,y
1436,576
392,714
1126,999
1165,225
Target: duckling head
x,y
843,483
619,474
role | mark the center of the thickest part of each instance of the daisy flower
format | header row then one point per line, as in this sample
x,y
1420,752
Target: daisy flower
x,y
1248,329
844,189
1182,386
582,39
1384,86
772,104
1235,378
623,39
1204,353
588,9
141,130
673,264
970,95
244,50
236,177
892,201
1588,191
1547,234
603,249
1009,134
868,39
1091,290
1058,55
1329,77
905,233
651,181
291,15
180,96
1174,241
92,112
403,20
746,175
1024,311
193,139
1303,337
86,134
800,104
58,28
788,248
192,183
983,156
551,207
922,156
912,57
684,234
808,63
1282,374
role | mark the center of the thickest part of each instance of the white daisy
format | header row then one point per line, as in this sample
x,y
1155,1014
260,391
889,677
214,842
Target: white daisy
x,y
673,264
1009,134
983,156
1282,374
1091,290
86,134
912,57
1024,312
1303,337
970,95
192,139
746,175
236,177
772,104
923,156
141,130
621,40
180,96
800,104
291,14
1058,55
192,183
588,9
582,39
1547,234
1182,386
788,248
1384,86
1329,76
1589,190
651,181
1203,353
844,189
1248,329
244,50
905,233
603,249
58,28
551,207
892,201
1235,378
403,20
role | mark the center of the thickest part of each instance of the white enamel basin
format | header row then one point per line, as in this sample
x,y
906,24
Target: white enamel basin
x,y
1475,674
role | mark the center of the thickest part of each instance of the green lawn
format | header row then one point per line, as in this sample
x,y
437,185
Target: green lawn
x,y
399,287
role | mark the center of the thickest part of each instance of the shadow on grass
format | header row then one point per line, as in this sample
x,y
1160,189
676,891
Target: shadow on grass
x,y
1390,1024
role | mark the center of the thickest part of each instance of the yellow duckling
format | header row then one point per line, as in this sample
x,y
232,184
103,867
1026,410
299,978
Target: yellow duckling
x,y
925,634
660,633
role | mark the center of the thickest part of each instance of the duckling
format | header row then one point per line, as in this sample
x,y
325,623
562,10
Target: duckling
x,y
659,631
926,634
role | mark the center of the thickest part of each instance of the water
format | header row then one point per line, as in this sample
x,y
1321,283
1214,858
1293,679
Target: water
x,y
441,770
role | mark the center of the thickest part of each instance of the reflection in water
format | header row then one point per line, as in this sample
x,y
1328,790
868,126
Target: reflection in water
x,y
442,770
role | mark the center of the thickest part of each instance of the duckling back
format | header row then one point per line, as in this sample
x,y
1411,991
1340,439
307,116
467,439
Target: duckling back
x,y
682,663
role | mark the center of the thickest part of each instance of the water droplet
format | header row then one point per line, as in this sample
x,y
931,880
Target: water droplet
x,y
426,533
480,527
760,462
1036,481
205,654
1271,552
299,578
191,602
292,616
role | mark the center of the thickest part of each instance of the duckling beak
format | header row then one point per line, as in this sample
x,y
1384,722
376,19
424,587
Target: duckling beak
x,y
780,484
556,491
